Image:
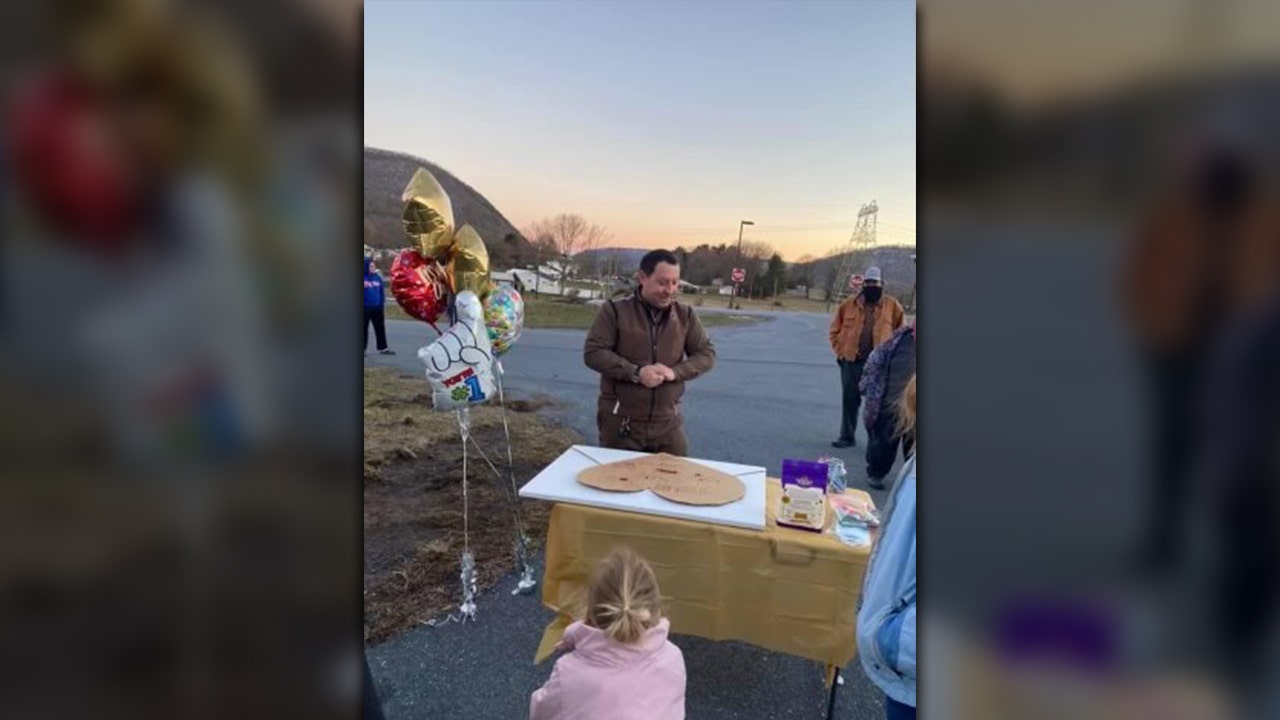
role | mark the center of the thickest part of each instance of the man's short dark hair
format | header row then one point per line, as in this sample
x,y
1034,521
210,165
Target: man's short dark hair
x,y
650,261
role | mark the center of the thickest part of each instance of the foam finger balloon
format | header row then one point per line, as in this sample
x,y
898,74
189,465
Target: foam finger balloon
x,y
504,317
460,362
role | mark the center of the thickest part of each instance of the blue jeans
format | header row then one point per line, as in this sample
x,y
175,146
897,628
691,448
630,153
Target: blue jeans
x,y
894,710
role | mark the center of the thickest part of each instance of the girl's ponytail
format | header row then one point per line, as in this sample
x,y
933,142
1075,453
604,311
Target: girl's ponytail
x,y
623,598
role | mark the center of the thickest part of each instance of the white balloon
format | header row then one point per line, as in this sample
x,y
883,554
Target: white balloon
x,y
460,362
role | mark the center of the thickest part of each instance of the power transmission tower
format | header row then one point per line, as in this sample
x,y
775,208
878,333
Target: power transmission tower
x,y
856,252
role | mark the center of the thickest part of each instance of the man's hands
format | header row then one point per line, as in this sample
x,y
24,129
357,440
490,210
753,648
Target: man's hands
x,y
651,376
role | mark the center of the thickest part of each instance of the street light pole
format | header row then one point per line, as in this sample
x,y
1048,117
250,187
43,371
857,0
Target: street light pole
x,y
741,224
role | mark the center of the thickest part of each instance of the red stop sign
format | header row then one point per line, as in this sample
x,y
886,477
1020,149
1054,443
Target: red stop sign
x,y
854,281
739,275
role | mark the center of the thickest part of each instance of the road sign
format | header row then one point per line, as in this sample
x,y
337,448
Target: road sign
x,y
855,281
739,275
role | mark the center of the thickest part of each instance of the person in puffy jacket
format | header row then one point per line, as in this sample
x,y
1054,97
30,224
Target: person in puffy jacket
x,y
889,368
887,619
620,664
374,299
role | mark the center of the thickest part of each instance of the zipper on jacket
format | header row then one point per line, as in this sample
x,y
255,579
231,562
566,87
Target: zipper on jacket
x,y
643,307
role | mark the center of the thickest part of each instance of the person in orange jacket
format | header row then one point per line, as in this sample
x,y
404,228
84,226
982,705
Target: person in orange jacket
x,y
860,324
1205,254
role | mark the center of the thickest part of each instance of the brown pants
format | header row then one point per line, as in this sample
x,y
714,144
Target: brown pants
x,y
659,436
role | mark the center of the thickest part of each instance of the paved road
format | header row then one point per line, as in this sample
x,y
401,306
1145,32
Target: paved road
x,y
774,393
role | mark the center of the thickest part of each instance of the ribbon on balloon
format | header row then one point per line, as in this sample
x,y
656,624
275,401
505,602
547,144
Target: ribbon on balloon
x,y
460,252
448,269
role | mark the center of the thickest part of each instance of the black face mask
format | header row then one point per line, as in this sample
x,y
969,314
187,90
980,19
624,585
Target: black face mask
x,y
872,294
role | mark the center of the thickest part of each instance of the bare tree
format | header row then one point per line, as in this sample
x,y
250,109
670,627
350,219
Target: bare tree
x,y
540,236
588,264
544,248
755,258
831,275
802,272
614,265
570,234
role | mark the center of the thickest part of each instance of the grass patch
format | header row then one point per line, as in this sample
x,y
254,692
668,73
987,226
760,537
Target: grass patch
x,y
550,311
554,312
413,535
785,303
545,311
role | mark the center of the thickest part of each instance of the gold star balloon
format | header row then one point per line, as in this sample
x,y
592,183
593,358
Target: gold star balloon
x,y
428,215
469,265
428,221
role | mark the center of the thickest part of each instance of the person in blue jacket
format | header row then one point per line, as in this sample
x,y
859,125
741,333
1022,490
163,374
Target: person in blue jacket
x,y
374,299
887,619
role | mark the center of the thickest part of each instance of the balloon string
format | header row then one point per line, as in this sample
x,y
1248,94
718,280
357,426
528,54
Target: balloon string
x,y
467,609
527,582
521,537
463,426
511,463
506,433
511,491
487,461
451,617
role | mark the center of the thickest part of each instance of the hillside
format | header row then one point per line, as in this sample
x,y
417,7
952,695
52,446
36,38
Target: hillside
x,y
624,260
894,261
385,175
702,264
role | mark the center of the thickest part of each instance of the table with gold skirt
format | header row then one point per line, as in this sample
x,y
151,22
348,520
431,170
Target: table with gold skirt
x,y
782,589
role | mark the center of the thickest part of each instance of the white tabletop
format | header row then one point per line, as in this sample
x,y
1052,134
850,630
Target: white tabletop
x,y
558,483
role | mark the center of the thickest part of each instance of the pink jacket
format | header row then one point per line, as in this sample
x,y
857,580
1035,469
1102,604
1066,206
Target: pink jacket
x,y
600,678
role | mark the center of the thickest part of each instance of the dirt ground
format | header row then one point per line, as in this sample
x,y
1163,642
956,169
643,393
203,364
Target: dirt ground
x,y
413,504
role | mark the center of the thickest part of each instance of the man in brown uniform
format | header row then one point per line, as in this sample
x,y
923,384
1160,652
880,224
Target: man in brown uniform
x,y
645,348
860,324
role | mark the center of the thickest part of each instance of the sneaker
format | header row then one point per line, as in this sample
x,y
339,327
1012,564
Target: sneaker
x,y
387,351
844,444
875,483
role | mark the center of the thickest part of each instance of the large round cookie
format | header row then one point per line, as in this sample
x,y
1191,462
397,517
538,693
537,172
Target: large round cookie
x,y
681,481
621,476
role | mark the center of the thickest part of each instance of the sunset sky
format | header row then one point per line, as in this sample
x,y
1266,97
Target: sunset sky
x,y
665,122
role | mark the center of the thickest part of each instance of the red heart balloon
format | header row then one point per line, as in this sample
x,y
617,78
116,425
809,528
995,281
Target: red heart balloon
x,y
68,164
419,285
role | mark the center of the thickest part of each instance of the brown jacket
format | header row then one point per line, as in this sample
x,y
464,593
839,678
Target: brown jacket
x,y
846,325
1179,255
624,338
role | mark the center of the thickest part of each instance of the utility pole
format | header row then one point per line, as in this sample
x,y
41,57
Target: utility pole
x,y
862,239
913,283
537,274
741,224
